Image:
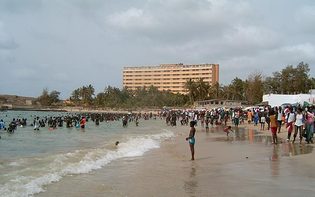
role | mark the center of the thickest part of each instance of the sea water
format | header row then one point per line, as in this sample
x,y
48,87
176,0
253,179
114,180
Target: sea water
x,y
31,160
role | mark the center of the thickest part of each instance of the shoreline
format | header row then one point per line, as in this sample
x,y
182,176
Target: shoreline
x,y
223,167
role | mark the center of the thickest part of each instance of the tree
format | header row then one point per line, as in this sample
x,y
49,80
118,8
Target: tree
x,y
202,89
236,89
273,84
302,82
44,98
191,88
54,96
87,93
290,80
47,99
254,88
216,91
75,96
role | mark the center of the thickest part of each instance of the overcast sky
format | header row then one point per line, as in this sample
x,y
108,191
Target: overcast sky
x,y
65,44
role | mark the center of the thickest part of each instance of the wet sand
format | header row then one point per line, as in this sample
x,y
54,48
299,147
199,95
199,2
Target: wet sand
x,y
243,165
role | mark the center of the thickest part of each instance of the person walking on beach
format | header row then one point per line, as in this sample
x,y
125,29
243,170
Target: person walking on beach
x,y
299,122
273,126
309,125
290,121
279,119
249,116
191,139
236,118
262,121
256,118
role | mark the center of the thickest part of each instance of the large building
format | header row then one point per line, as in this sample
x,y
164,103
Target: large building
x,y
169,76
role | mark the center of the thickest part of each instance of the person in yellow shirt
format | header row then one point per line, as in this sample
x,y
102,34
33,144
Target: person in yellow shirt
x,y
249,116
273,126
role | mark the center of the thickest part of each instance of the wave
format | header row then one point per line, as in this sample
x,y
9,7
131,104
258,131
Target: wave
x,y
32,179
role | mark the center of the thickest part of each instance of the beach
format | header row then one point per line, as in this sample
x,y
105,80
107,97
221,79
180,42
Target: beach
x,y
244,164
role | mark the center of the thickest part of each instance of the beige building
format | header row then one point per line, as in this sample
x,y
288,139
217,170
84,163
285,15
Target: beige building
x,y
216,103
169,76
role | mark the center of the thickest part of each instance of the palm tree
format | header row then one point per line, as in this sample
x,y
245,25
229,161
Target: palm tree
x,y
202,89
191,88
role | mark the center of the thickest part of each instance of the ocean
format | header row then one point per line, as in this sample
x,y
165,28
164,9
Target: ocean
x,y
31,160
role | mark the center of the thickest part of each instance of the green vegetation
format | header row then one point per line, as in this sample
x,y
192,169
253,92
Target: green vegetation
x,y
289,80
49,99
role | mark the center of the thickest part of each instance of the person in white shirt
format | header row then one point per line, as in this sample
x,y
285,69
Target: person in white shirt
x,y
299,122
290,121
262,121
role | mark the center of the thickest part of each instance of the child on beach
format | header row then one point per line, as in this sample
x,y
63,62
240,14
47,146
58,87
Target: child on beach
x,y
228,130
191,139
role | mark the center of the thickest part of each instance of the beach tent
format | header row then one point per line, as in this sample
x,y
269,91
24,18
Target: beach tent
x,y
279,99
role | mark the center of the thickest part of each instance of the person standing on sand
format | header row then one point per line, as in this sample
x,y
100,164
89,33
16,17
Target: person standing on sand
x,y
309,126
256,118
262,121
290,123
279,119
249,116
191,139
273,126
299,122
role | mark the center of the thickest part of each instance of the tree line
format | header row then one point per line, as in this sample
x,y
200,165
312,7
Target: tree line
x,y
290,80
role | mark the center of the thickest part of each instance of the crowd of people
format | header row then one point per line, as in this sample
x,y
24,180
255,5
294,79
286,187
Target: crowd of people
x,y
295,120
70,120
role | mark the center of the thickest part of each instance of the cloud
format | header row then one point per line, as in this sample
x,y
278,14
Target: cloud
x,y
305,19
64,44
6,41
178,21
132,18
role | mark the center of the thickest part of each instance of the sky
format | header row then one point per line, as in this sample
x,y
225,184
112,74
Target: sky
x,y
66,44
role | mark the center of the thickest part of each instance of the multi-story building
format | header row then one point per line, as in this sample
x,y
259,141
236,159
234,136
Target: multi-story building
x,y
171,77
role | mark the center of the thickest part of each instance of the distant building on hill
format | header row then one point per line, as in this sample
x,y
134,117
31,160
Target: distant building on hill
x,y
171,77
216,103
12,101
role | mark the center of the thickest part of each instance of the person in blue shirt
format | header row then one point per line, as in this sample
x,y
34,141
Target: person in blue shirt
x,y
2,125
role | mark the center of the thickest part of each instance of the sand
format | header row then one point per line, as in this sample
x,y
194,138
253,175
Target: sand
x,y
248,165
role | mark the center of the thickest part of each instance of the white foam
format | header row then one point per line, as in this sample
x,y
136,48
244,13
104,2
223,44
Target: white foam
x,y
14,164
81,161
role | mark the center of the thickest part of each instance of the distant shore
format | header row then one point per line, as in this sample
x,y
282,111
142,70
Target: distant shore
x,y
82,110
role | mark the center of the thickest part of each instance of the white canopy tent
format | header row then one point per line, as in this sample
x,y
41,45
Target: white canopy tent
x,y
279,99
